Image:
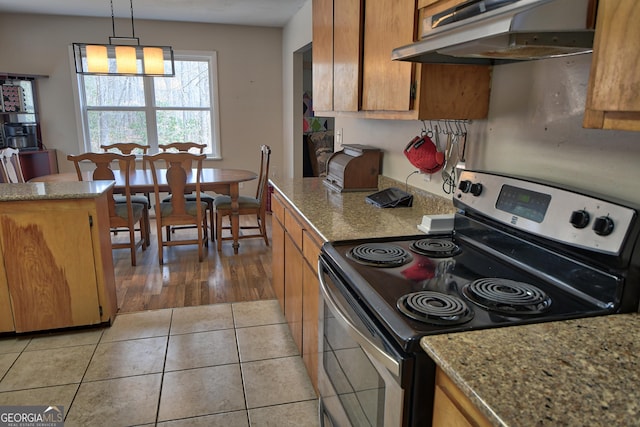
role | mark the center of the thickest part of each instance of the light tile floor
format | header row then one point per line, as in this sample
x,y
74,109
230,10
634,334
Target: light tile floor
x,y
225,365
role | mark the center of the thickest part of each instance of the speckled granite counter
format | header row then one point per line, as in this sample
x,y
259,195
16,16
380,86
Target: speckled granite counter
x,y
343,216
53,190
583,372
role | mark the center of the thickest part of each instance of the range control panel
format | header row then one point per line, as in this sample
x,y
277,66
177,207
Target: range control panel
x,y
547,211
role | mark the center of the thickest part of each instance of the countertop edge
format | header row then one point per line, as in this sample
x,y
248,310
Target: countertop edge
x,y
33,191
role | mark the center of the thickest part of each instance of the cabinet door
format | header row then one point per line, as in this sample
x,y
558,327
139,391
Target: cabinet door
x,y
450,91
52,282
322,55
452,408
293,289
310,310
386,84
613,97
6,313
278,259
347,54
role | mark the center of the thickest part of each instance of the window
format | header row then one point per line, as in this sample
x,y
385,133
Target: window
x,y
153,110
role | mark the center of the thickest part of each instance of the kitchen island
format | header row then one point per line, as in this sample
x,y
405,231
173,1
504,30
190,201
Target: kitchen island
x,y
582,372
57,266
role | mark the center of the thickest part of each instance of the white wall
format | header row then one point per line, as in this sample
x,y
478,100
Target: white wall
x,y
249,66
535,129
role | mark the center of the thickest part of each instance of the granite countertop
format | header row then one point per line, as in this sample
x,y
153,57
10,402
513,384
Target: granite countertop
x,y
344,216
53,190
583,372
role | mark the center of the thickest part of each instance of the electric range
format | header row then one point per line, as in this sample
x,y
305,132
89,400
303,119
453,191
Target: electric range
x,y
520,252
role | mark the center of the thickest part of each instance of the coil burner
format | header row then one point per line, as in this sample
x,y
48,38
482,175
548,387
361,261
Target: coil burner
x,y
435,248
379,255
507,296
435,308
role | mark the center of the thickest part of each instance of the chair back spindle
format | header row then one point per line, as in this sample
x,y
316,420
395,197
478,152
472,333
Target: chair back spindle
x,y
10,165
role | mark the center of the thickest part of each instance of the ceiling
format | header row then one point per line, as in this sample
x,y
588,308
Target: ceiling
x,y
269,13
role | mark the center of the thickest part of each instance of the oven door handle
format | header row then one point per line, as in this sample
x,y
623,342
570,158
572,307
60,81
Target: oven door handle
x,y
367,345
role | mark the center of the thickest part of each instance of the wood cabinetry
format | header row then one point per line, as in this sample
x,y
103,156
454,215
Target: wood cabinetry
x,y
6,313
57,268
277,249
353,72
613,97
295,255
386,84
337,56
452,408
293,268
20,126
38,163
19,111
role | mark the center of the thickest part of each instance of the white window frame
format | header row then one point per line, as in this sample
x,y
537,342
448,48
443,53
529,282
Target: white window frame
x,y
152,138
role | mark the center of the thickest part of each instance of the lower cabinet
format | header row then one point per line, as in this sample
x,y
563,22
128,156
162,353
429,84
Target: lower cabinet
x,y
293,289
310,304
277,248
452,408
295,256
38,163
6,314
57,267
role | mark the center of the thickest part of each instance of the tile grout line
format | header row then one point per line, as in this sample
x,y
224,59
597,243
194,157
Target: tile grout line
x,y
83,375
164,367
244,390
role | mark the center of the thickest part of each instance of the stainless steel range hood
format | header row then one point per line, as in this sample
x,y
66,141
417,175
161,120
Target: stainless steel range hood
x,y
502,31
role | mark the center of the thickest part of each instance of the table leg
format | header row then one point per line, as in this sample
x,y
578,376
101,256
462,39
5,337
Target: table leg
x,y
235,217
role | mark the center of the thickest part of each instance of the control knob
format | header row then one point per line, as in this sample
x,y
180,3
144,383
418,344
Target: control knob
x,y
464,186
579,218
603,226
476,189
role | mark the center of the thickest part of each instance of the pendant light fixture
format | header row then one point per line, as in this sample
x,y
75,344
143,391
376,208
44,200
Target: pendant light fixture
x,y
123,56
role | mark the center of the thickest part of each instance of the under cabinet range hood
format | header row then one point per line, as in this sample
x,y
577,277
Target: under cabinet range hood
x,y
503,31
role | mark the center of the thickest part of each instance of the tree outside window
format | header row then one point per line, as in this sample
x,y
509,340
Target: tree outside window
x,y
153,110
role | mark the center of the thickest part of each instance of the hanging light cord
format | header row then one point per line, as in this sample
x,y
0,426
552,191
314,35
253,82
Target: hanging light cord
x,y
113,21
133,31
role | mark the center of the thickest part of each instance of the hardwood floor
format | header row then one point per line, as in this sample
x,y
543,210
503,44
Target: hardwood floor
x,y
183,281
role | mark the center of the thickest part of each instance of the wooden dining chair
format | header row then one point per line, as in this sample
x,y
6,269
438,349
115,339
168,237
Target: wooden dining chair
x,y
177,210
121,215
129,148
189,147
253,206
10,165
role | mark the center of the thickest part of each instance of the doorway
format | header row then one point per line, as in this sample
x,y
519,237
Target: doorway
x,y
317,136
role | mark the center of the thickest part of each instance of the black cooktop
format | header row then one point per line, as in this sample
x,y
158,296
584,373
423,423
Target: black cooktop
x,y
383,290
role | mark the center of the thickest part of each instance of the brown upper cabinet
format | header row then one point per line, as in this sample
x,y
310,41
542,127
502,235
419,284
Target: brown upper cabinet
x,y
337,55
353,71
613,97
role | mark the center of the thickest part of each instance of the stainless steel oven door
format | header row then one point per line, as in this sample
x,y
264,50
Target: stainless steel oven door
x,y
359,376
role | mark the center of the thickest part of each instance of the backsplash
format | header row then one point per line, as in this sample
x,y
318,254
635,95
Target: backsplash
x,y
422,199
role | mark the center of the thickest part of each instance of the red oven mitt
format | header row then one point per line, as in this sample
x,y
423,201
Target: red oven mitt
x,y
423,154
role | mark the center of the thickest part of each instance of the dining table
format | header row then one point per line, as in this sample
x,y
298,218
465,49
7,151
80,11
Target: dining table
x,y
218,180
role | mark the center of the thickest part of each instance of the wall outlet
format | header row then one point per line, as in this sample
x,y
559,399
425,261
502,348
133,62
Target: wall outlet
x,y
339,136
